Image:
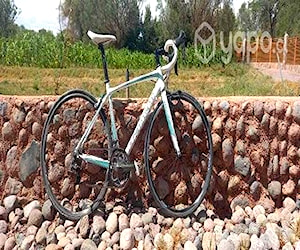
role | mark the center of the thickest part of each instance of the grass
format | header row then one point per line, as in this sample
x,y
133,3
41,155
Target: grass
x,y
232,80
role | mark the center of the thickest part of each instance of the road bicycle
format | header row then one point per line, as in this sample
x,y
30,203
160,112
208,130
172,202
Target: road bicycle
x,y
82,154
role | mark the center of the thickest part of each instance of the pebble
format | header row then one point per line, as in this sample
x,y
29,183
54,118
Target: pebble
x,y
247,228
29,207
88,245
10,203
135,221
127,239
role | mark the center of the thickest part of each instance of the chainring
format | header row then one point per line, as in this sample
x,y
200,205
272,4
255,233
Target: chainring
x,y
120,168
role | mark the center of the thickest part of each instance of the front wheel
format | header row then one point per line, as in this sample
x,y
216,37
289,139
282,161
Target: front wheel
x,y
72,185
179,183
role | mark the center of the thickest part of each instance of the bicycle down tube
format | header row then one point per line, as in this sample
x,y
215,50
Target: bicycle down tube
x,y
159,88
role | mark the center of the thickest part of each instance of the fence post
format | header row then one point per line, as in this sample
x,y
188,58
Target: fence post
x,y
285,48
295,50
270,54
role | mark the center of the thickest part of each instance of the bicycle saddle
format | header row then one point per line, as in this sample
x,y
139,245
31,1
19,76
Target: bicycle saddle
x,y
100,38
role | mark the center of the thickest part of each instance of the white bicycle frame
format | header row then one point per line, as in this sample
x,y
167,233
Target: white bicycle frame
x,y
159,89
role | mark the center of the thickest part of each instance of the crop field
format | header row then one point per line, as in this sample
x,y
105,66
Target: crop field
x,y
42,64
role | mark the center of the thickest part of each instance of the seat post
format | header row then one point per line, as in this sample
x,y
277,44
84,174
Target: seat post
x,y
106,77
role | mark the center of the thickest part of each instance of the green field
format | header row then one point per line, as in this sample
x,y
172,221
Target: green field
x,y
232,80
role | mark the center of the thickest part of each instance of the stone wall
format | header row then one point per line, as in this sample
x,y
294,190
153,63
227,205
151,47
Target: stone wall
x,y
256,148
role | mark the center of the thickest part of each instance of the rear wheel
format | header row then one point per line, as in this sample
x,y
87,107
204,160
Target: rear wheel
x,y
179,184
73,185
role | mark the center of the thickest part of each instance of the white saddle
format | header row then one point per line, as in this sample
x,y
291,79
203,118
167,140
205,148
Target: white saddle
x,y
100,38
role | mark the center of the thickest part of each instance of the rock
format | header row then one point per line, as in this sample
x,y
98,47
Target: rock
x,y
13,186
274,189
244,241
242,165
289,204
88,245
139,233
224,106
253,228
31,230
135,221
238,216
7,131
78,242
169,241
84,226
63,241
270,240
148,244
67,187
9,244
208,225
294,171
257,210
240,127
36,130
30,160
98,225
253,133
12,161
294,133
227,151
41,235
217,125
234,183
265,121
188,245
255,189
26,243
10,203
147,218
296,111
48,210
127,239
112,223
261,219
256,243
3,108
3,213
208,241
226,245
258,109
288,188
288,246
217,140
163,188
53,247
35,218
3,226
3,239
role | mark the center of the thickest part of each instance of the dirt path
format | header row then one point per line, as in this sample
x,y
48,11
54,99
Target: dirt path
x,y
287,75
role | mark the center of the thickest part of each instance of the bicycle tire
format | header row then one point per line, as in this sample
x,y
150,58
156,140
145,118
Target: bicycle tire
x,y
194,167
64,126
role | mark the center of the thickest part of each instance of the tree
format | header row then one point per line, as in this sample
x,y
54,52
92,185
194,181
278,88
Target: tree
x,y
247,19
288,18
225,18
118,17
8,13
259,15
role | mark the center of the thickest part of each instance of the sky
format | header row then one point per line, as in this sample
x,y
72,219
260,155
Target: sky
x,y
43,14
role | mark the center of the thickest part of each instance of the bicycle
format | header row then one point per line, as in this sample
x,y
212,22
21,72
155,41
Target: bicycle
x,y
81,155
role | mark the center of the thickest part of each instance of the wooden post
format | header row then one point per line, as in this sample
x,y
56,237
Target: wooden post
x,y
295,50
127,79
270,54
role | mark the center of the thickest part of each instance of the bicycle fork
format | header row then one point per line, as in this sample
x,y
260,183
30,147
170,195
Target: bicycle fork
x,y
170,122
